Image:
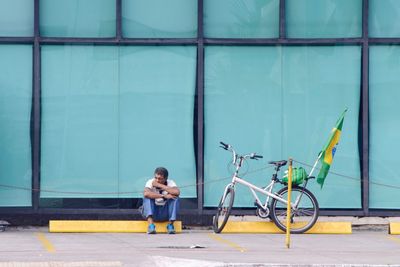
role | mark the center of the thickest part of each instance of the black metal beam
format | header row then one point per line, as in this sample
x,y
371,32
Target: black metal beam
x,y
277,41
200,109
115,41
35,113
118,25
365,111
282,19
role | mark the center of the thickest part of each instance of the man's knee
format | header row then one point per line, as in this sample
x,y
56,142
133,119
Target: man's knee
x,y
148,207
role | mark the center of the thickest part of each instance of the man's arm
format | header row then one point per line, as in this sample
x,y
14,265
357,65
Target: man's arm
x,y
172,190
150,194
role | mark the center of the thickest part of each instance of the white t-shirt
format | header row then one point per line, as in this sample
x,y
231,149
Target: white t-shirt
x,y
149,184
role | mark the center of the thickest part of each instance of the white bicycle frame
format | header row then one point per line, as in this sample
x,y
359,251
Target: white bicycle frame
x,y
266,190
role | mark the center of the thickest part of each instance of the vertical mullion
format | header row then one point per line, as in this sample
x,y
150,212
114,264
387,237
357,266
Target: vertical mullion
x,y
282,19
119,19
200,108
36,116
365,110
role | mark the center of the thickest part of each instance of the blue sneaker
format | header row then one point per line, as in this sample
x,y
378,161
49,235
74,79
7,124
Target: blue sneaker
x,y
151,229
170,228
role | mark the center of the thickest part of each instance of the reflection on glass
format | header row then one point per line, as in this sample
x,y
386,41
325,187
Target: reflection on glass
x,y
111,115
241,18
383,18
384,68
159,18
16,18
323,18
77,18
282,102
15,112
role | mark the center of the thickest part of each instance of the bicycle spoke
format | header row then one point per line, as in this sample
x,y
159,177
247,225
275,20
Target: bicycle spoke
x,y
303,216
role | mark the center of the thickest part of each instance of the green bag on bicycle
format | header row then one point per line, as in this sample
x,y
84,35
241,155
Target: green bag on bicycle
x,y
298,176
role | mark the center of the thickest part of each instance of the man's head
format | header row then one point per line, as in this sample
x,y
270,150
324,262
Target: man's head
x,y
161,175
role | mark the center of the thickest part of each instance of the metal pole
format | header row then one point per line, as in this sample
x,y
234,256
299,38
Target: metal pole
x,y
288,215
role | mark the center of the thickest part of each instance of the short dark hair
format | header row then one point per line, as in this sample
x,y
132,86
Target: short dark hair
x,y
162,171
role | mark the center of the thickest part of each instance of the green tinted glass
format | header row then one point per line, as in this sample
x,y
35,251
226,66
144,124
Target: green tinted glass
x,y
77,18
15,112
157,87
281,103
159,18
16,18
323,18
384,95
107,123
241,18
383,18
79,120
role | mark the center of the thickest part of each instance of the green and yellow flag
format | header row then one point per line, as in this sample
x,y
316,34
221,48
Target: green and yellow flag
x,y
329,150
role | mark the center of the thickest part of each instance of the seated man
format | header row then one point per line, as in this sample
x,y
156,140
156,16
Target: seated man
x,y
160,200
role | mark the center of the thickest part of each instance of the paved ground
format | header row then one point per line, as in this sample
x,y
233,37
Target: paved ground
x,y
34,246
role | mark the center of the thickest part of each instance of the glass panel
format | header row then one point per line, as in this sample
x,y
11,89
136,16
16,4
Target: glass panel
x,y
77,18
241,18
383,18
263,99
384,78
323,18
156,116
243,96
15,112
314,98
107,123
159,18
16,18
79,121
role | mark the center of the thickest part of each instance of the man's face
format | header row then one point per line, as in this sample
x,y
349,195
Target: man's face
x,y
160,178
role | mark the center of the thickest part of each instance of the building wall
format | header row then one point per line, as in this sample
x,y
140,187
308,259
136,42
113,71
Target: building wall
x,y
97,93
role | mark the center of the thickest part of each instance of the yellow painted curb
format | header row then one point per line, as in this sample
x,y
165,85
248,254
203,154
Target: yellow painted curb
x,y
87,226
394,228
270,228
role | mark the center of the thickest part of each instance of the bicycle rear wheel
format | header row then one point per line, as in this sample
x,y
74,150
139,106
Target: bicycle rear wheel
x,y
303,217
224,210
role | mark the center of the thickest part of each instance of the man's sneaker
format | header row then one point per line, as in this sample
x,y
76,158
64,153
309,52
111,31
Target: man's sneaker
x,y
151,229
170,228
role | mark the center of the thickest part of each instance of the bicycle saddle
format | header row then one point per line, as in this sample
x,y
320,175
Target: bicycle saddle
x,y
279,163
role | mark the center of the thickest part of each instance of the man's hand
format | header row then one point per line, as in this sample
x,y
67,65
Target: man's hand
x,y
169,196
158,185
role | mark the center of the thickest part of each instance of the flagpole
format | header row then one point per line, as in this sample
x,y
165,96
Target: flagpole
x,y
315,164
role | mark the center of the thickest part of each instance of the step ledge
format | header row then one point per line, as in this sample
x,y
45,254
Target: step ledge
x,y
107,226
270,228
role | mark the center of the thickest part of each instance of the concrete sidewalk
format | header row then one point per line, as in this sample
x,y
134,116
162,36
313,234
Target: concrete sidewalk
x,y
34,246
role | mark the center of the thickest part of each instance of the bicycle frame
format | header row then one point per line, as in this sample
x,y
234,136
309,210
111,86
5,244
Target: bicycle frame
x,y
238,161
253,188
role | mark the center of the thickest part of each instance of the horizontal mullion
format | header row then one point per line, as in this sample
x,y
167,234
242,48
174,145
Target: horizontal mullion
x,y
17,40
287,41
108,41
384,40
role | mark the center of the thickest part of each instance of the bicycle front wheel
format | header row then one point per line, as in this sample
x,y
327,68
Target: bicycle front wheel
x,y
224,210
303,216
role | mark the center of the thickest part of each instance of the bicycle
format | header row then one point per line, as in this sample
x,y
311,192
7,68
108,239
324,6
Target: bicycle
x,y
304,208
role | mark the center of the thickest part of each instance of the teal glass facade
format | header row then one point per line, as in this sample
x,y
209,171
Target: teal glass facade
x,y
97,93
274,103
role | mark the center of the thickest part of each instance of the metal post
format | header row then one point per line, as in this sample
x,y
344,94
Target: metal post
x,y
288,215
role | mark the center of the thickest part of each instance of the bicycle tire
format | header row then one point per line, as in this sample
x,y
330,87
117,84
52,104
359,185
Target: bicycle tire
x,y
224,210
303,218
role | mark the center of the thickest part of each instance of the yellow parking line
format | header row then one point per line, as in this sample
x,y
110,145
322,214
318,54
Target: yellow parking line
x,y
227,242
45,242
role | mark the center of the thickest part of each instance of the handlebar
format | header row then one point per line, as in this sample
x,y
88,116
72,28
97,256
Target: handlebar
x,y
235,156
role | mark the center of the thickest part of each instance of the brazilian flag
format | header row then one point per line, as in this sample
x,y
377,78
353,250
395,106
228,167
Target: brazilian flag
x,y
327,153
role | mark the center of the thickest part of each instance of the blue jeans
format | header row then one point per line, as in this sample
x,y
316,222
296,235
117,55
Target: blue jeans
x,y
167,212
